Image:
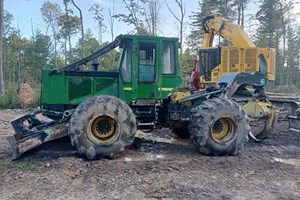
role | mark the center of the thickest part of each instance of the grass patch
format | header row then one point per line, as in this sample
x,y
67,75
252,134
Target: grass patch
x,y
11,99
20,166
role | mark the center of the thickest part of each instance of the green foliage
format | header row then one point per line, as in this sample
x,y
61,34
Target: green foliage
x,y
271,18
286,89
277,29
143,15
11,98
107,61
69,25
110,61
23,58
90,45
186,65
97,11
7,20
50,13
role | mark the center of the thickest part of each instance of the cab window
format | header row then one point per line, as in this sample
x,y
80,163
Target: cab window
x,y
168,58
147,62
126,65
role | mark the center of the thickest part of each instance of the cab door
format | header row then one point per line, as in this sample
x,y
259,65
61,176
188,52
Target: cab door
x,y
147,86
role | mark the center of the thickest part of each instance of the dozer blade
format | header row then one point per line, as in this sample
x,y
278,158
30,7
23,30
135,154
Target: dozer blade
x,y
32,132
294,123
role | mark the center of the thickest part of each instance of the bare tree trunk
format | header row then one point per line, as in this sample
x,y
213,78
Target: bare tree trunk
x,y
100,24
153,14
243,16
297,65
180,20
281,77
2,89
111,13
284,50
66,51
134,17
239,13
55,46
19,60
82,30
70,50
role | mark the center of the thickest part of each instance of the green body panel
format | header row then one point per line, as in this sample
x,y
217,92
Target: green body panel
x,y
168,83
61,89
54,90
145,66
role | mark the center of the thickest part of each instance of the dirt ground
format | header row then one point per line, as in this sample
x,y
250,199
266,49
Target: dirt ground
x,y
152,170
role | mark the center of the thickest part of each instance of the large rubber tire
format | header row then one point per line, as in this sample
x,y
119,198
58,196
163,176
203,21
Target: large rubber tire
x,y
113,116
215,118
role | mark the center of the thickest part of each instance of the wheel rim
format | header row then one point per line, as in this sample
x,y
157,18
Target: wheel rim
x,y
223,130
103,130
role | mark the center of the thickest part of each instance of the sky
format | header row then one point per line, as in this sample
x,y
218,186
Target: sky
x,y
27,16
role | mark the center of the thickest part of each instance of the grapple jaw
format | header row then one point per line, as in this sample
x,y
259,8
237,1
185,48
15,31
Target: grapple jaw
x,y
265,112
294,121
36,128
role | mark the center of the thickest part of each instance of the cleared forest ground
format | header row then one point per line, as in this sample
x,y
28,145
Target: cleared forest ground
x,y
152,170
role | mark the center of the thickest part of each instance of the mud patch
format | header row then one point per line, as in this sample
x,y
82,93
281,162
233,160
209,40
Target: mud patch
x,y
152,169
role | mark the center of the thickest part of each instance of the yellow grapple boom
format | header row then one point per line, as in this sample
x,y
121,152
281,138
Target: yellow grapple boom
x,y
242,56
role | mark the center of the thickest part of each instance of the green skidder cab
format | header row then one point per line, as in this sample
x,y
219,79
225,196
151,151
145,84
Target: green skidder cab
x,y
101,110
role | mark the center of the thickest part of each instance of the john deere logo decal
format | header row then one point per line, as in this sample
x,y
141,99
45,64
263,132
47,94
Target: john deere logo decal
x,y
262,81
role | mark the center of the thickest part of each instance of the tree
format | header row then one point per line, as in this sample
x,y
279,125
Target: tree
x,y
292,55
134,17
81,26
90,44
273,16
110,60
270,17
139,10
2,88
97,11
36,55
180,19
151,12
241,5
69,26
50,13
111,21
186,65
7,21
226,8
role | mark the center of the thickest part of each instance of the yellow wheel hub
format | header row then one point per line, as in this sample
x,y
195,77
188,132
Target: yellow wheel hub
x,y
103,130
223,130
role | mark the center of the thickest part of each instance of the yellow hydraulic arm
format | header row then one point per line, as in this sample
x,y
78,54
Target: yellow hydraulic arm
x,y
230,31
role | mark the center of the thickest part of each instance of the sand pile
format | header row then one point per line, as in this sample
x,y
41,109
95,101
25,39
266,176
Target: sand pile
x,y
26,95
